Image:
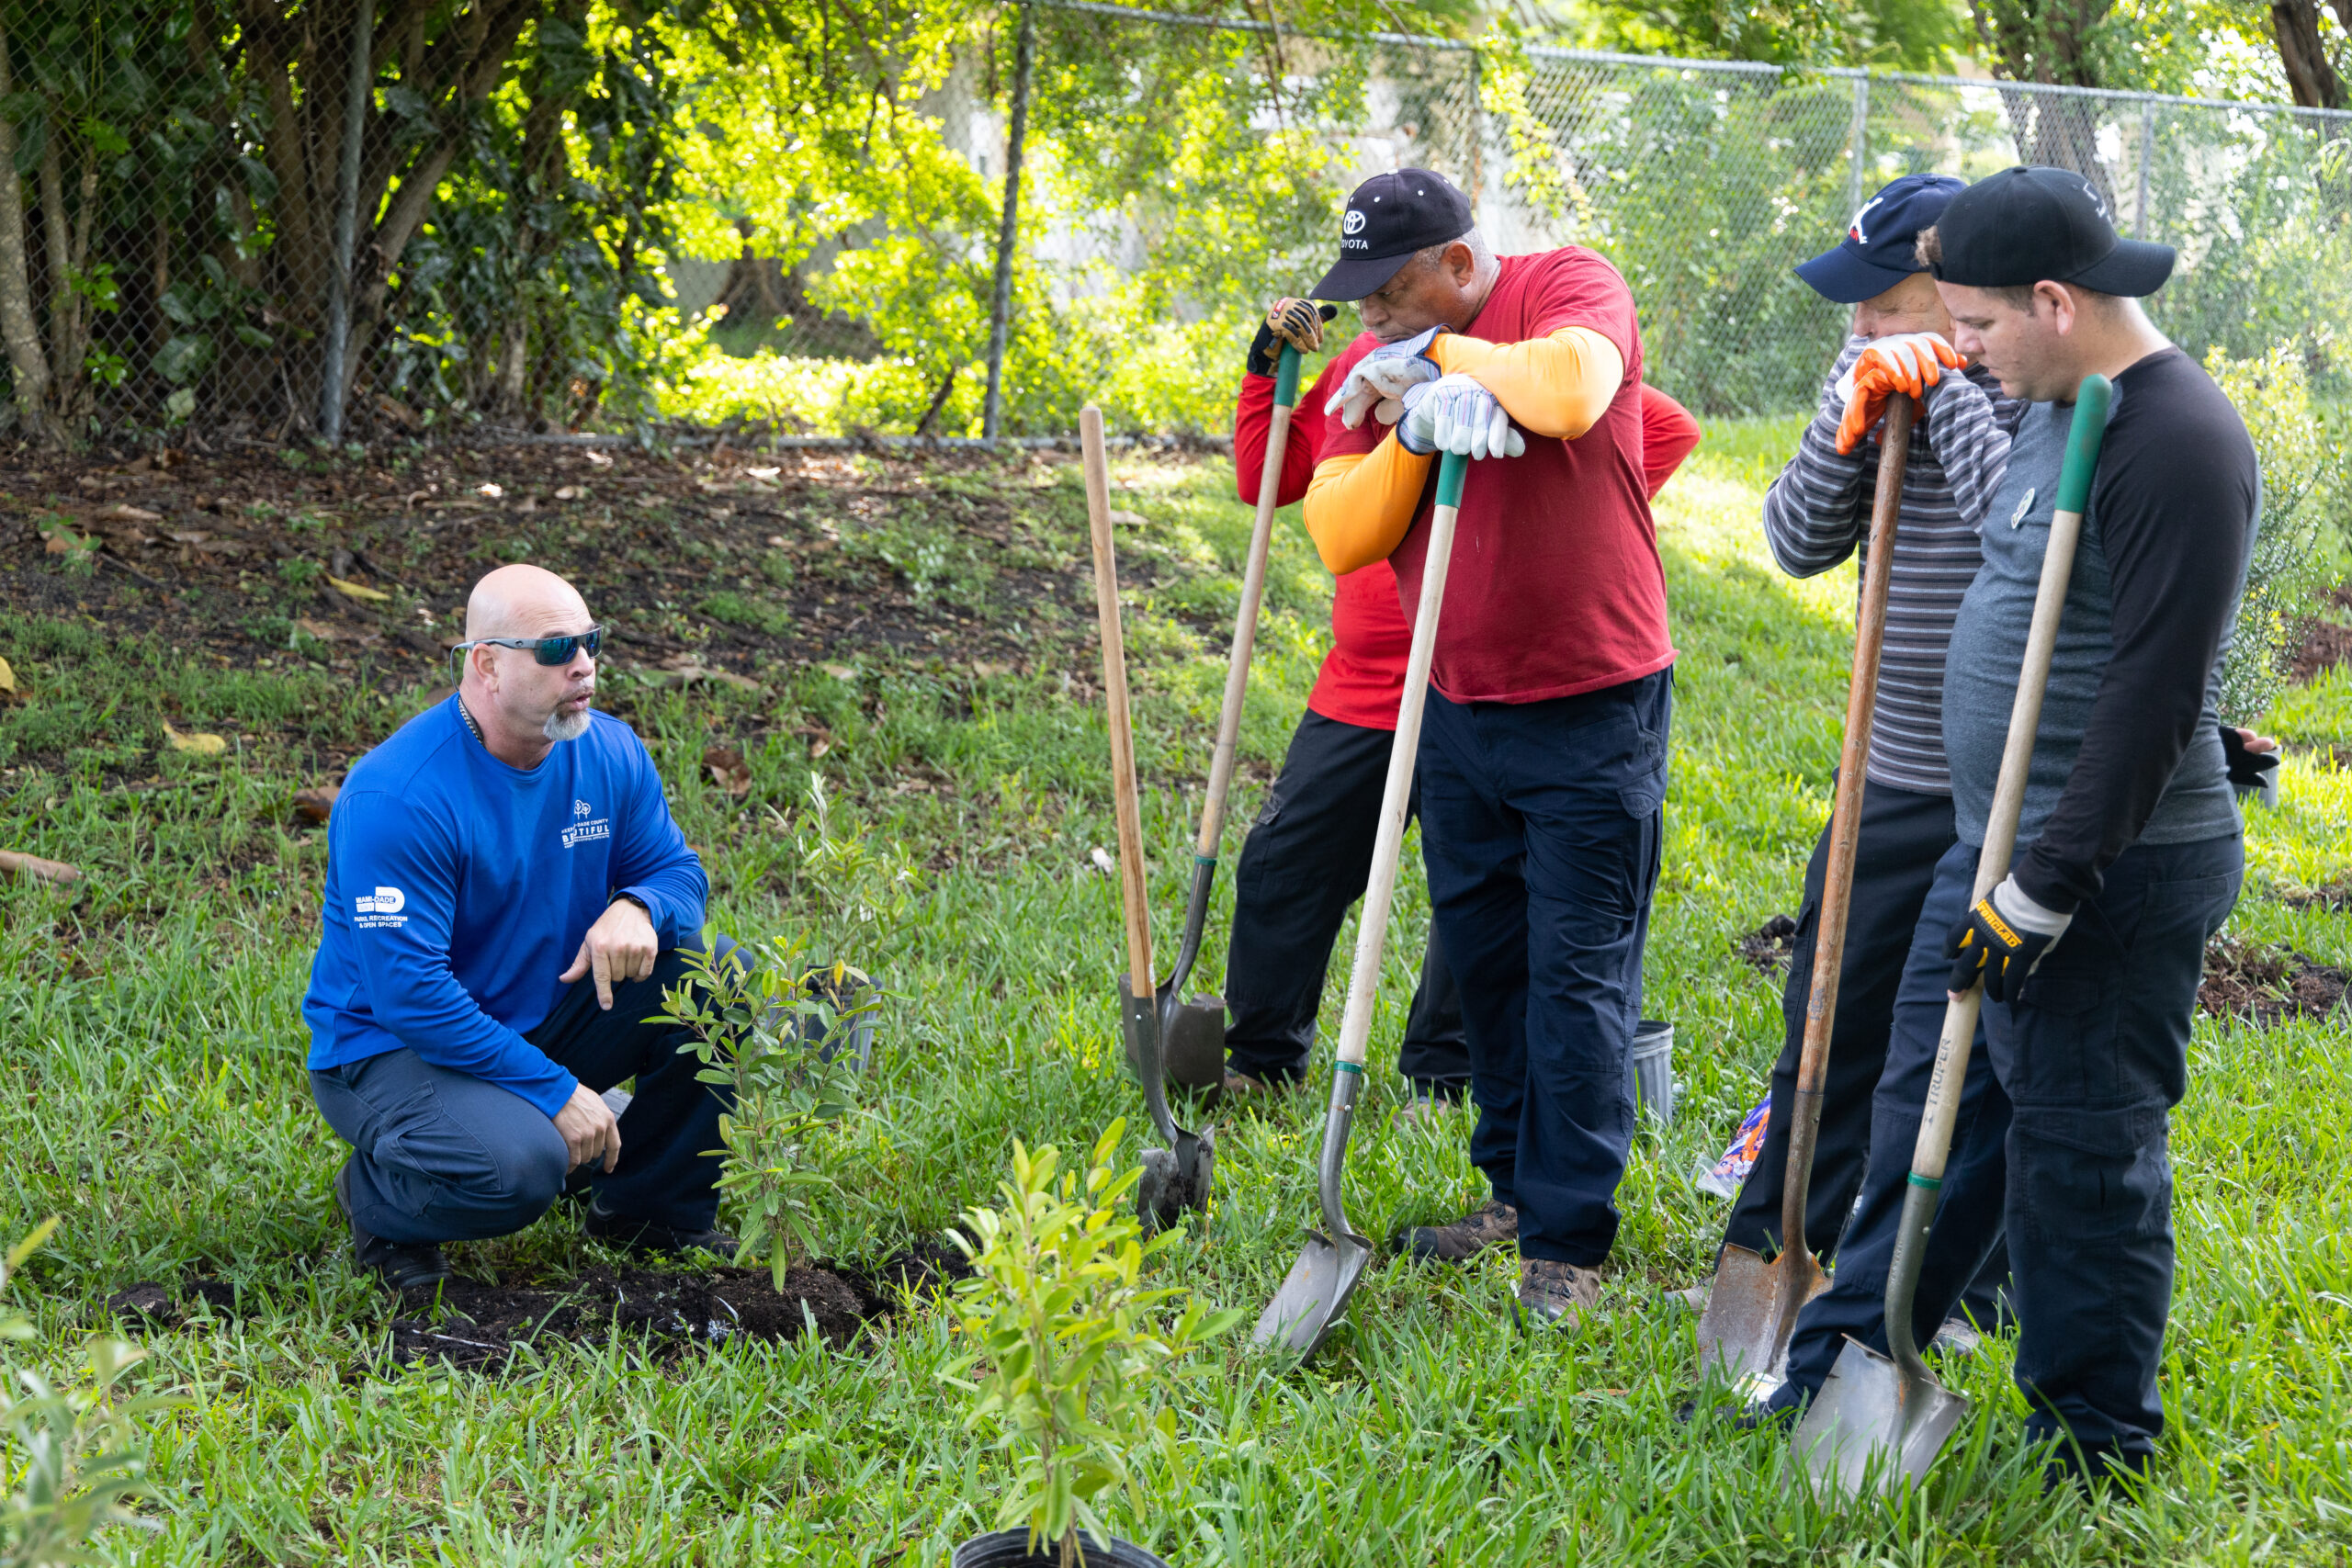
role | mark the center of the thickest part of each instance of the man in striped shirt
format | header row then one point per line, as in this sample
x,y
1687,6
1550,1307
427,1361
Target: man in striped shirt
x,y
1816,516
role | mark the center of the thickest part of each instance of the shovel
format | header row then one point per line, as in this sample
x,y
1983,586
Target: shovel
x,y
1313,1295
1883,1418
1193,1033
1175,1179
1752,1306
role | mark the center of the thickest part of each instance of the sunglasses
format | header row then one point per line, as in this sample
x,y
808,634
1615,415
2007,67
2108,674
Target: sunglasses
x,y
552,652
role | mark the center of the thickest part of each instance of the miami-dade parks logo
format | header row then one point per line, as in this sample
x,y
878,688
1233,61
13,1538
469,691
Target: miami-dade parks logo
x,y
382,907
582,829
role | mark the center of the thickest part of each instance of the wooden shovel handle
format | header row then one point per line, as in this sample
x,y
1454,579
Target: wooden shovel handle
x,y
1846,819
1245,624
1132,896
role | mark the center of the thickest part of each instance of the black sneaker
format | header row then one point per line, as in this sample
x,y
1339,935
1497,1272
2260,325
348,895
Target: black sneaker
x,y
403,1269
652,1236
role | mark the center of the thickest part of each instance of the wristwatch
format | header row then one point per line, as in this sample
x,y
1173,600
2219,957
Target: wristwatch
x,y
632,898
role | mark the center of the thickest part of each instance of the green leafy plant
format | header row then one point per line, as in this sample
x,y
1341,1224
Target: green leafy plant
x,y
855,882
2299,548
761,1021
72,1459
1067,1341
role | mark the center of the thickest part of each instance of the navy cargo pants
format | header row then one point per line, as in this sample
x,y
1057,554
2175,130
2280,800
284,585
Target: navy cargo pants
x,y
441,1157
1541,827
2061,1140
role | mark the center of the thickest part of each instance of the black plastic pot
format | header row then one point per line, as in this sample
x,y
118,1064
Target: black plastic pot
x,y
1010,1549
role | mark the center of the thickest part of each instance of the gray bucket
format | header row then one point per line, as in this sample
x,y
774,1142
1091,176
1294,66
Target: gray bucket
x,y
1649,1070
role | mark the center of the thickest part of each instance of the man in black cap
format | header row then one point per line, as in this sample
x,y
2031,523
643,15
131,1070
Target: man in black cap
x,y
1542,760
2091,949
1816,515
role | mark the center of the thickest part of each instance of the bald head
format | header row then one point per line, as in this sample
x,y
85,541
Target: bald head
x,y
525,602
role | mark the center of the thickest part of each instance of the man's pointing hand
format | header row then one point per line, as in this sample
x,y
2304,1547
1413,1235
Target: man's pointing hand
x,y
621,945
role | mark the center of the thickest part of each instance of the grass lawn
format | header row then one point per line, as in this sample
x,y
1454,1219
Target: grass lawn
x,y
929,817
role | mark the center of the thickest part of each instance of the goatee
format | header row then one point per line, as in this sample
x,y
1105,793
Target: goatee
x,y
562,725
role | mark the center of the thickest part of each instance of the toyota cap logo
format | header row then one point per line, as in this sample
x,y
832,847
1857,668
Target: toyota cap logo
x,y
1353,223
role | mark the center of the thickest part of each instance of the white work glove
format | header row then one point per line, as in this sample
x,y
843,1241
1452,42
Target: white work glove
x,y
1454,413
1376,384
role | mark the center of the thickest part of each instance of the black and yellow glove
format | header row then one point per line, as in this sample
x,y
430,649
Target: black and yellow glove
x,y
1298,322
2004,940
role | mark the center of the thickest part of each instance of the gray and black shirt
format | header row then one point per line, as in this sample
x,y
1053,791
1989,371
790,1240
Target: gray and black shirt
x,y
2129,750
1818,513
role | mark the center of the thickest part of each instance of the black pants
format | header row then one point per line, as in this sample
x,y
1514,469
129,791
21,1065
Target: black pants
x,y
2062,1140
1542,827
1303,865
442,1156
1903,834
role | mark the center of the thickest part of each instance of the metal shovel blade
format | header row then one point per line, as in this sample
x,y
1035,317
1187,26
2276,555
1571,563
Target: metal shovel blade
x,y
1866,1427
1744,1334
1314,1295
1192,1043
1177,1180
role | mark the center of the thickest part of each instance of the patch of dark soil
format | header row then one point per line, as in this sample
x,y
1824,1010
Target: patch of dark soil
x,y
145,1302
926,1268
2335,894
2324,644
2263,983
1769,945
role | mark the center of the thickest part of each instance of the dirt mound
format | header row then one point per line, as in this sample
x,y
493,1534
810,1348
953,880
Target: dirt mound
x,y
2324,644
2263,983
478,1325
2333,894
1769,945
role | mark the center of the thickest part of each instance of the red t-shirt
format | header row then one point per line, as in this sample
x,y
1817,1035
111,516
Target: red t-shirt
x,y
1555,586
1363,680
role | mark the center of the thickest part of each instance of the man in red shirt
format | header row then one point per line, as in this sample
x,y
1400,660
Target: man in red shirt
x,y
1543,764
1307,858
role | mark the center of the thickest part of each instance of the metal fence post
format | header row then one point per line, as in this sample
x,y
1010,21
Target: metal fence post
x,y
1858,144
1007,233
357,82
2148,113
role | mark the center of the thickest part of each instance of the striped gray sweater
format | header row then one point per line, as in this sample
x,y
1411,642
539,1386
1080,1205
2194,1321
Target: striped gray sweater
x,y
1818,513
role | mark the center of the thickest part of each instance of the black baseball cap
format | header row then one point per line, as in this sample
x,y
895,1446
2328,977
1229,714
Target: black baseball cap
x,y
2022,225
1881,247
1388,218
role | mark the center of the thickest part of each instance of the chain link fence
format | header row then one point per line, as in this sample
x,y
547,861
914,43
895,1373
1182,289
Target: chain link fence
x,y
171,184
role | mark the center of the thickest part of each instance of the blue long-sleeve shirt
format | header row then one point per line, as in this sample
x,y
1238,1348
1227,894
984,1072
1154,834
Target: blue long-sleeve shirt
x,y
458,888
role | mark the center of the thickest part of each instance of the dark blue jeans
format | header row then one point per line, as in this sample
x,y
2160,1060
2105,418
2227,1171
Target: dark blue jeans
x,y
441,1157
1541,826
2061,1139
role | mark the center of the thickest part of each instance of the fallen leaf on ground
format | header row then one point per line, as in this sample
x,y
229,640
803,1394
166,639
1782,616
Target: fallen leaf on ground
x,y
61,542
358,591
202,744
319,629
912,786
316,803
839,671
8,679
601,460
123,512
819,747
728,768
568,492
985,671
32,868
187,536
684,669
1103,860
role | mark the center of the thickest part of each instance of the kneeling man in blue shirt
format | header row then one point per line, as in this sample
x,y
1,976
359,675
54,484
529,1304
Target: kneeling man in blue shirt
x,y
506,897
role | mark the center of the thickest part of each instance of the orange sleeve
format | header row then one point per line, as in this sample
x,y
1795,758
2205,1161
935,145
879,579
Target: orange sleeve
x,y
1558,386
1360,505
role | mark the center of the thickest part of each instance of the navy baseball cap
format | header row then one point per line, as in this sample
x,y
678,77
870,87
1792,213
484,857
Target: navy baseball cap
x,y
1879,249
1388,218
2023,225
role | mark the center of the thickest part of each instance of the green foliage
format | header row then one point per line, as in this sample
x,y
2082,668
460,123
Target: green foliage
x,y
856,883
2306,525
70,1460
760,1019
1066,1339
1909,35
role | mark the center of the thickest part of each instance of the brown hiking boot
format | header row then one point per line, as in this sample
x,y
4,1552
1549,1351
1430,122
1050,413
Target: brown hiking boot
x,y
1488,1225
1556,1293
1258,1092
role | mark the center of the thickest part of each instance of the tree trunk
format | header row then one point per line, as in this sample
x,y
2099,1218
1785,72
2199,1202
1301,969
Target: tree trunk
x,y
27,367
2312,77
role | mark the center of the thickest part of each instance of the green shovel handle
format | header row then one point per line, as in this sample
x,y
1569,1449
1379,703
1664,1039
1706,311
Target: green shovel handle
x,y
1452,469
2092,401
1286,377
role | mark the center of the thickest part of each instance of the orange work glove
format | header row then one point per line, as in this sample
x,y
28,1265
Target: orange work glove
x,y
1907,363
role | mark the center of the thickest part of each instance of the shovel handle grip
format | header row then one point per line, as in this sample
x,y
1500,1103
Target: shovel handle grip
x,y
1129,811
1372,925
